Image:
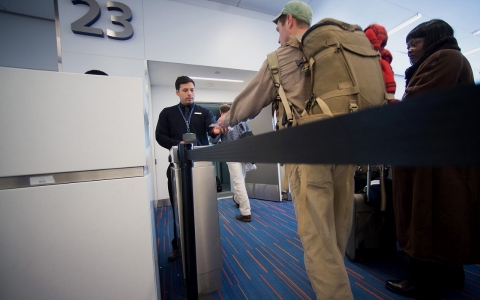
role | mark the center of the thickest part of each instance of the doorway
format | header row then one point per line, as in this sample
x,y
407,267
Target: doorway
x,y
221,168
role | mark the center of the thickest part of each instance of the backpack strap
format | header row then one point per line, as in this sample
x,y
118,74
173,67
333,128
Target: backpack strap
x,y
274,68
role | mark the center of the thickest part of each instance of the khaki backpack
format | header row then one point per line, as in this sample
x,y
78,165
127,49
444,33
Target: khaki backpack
x,y
345,71
346,76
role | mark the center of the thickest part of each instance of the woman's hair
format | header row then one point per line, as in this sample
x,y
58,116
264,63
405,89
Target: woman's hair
x,y
96,72
432,31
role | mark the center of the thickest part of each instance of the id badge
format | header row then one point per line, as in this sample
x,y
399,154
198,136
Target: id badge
x,y
190,138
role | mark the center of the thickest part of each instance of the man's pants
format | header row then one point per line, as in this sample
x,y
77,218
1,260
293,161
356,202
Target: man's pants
x,y
172,203
326,214
237,177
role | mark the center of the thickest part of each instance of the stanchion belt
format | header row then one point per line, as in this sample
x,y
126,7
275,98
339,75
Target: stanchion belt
x,y
435,129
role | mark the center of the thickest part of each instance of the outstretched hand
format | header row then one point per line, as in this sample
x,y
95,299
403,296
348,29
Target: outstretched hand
x,y
221,122
219,130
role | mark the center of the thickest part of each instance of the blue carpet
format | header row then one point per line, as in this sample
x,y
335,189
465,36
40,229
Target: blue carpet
x,y
264,259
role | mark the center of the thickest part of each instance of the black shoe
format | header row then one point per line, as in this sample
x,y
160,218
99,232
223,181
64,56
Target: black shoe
x,y
174,255
233,198
244,218
455,278
402,287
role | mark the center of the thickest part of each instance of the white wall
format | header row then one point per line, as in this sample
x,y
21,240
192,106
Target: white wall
x,y
181,33
81,53
217,35
163,97
213,35
77,43
73,122
87,240
400,81
170,32
27,42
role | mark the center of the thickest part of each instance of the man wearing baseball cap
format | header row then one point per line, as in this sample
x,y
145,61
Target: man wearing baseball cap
x,y
298,9
327,219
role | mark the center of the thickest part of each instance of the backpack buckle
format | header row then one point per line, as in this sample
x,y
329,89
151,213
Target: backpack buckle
x,y
274,70
353,107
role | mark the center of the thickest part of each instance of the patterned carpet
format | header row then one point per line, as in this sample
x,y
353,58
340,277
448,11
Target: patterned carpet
x,y
264,260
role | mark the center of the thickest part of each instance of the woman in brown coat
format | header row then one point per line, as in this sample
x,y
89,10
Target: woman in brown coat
x,y
437,210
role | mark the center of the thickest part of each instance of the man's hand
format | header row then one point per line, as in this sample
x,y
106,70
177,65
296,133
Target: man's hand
x,y
218,130
221,122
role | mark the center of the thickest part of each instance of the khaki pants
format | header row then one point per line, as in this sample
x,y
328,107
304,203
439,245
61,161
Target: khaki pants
x,y
325,212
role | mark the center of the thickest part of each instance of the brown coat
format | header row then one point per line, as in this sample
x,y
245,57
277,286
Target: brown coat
x,y
437,210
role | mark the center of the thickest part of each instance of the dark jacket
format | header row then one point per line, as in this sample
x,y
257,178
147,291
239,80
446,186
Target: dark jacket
x,y
437,210
171,125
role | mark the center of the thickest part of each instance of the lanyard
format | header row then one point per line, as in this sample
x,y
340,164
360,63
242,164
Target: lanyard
x,y
187,120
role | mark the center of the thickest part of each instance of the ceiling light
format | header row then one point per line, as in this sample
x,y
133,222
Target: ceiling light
x,y
404,24
215,79
471,51
476,32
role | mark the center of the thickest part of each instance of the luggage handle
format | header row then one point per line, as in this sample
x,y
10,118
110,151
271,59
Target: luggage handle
x,y
383,195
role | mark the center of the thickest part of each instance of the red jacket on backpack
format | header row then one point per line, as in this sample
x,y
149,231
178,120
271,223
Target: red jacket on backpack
x,y
378,37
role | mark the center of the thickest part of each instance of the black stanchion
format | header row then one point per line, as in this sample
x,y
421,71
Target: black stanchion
x,y
188,222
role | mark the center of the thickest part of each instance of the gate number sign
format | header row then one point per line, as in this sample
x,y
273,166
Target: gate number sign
x,y
83,25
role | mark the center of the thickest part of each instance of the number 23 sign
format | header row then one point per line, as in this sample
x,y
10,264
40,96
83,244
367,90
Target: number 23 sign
x,y
83,25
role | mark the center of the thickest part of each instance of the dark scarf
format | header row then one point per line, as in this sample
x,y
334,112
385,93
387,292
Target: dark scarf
x,y
448,42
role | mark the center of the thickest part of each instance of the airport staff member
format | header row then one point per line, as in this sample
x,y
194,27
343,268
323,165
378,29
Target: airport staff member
x,y
173,122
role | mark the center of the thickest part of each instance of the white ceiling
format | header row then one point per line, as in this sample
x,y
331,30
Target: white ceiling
x,y
165,74
462,15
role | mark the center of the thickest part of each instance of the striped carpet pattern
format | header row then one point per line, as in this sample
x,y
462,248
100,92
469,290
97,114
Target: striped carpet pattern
x,y
264,259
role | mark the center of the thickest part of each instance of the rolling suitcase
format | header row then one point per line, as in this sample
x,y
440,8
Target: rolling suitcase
x,y
219,185
373,231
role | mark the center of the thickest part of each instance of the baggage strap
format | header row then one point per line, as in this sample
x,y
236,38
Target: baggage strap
x,y
287,106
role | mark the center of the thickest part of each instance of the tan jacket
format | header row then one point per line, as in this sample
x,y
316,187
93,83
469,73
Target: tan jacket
x,y
261,91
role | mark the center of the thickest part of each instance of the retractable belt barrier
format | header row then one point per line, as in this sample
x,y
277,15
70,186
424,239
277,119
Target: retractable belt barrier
x,y
435,129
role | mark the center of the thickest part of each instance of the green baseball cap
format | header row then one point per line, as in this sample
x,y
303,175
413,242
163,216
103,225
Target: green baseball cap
x,y
298,9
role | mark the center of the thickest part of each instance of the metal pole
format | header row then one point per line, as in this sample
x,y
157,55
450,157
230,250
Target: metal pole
x,y
188,221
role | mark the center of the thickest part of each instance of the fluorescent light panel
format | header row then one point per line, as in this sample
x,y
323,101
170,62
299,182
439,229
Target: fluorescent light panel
x,y
472,51
215,79
404,24
476,32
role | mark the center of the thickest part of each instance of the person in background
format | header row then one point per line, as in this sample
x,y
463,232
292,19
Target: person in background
x,y
327,208
237,170
96,72
173,123
436,209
